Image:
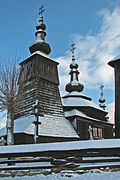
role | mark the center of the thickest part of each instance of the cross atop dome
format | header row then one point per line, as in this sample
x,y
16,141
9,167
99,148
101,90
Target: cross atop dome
x,y
73,50
40,44
74,84
101,87
102,100
41,10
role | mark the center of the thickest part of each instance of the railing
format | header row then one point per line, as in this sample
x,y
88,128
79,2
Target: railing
x,y
82,155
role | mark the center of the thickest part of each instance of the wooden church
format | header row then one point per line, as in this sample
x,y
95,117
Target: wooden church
x,y
41,115
85,115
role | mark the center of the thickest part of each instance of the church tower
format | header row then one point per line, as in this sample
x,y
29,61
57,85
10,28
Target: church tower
x,y
39,83
74,84
39,77
86,117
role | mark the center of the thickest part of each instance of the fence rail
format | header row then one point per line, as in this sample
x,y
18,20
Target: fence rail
x,y
60,156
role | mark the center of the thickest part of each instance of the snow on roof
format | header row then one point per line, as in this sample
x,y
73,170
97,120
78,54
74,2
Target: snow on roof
x,y
57,126
75,112
50,126
41,54
20,125
79,101
114,61
78,94
45,55
116,58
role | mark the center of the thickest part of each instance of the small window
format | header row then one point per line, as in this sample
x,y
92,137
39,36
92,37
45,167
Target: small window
x,y
97,132
100,133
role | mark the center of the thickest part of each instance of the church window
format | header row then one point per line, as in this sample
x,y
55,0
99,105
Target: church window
x,y
100,133
97,132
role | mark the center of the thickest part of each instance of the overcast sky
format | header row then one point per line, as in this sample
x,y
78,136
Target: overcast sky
x,y
93,25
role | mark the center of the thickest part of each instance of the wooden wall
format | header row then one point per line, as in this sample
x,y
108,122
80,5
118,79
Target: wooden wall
x,y
83,125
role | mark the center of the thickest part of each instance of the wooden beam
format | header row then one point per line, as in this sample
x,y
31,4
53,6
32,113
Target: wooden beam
x,y
116,65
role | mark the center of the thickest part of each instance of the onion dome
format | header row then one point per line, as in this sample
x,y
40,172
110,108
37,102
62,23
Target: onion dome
x,y
102,100
74,84
73,65
40,44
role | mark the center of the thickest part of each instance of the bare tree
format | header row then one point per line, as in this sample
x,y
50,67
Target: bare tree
x,y
9,74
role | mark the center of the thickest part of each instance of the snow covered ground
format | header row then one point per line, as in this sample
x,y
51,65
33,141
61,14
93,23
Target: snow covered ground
x,y
86,176
96,174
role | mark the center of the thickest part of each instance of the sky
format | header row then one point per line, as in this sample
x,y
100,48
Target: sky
x,y
93,25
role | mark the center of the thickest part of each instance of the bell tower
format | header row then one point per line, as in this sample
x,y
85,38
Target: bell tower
x,y
39,81
39,77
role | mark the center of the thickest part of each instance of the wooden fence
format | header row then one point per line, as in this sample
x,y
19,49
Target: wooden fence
x,y
61,156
